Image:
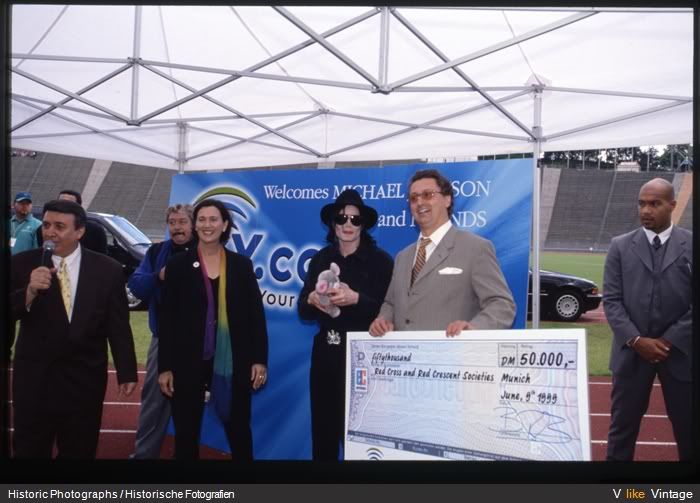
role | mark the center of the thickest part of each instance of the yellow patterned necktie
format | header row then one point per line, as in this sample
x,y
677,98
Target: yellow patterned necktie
x,y
420,259
64,280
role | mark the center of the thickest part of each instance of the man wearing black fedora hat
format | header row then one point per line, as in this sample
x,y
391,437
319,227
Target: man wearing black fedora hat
x,y
365,272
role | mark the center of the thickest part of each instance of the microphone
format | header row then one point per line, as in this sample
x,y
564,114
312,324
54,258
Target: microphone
x,y
48,247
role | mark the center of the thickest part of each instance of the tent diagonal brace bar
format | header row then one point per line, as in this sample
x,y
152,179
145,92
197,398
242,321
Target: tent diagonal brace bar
x,y
259,135
417,33
259,75
493,48
429,127
616,119
21,97
238,113
431,122
66,100
46,33
68,93
326,45
109,135
243,139
215,118
265,62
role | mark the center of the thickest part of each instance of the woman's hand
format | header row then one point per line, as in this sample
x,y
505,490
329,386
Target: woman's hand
x,y
343,295
314,300
258,376
167,383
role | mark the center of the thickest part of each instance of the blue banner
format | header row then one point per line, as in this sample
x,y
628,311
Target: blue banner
x,y
277,225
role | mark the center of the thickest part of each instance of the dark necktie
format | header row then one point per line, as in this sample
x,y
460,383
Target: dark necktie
x,y
656,243
420,259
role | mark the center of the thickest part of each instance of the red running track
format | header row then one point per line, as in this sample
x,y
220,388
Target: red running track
x,y
655,443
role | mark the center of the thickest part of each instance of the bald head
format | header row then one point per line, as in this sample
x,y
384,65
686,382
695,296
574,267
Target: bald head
x,y
660,186
656,204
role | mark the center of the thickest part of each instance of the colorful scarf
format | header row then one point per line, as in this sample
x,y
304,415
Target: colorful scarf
x,y
217,343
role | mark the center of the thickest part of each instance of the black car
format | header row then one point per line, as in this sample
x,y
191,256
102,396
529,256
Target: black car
x,y
125,243
564,297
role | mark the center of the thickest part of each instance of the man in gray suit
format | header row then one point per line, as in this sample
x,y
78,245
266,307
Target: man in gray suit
x,y
449,279
647,295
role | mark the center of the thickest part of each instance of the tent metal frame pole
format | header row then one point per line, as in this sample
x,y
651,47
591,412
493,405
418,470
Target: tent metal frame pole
x,y
83,133
327,45
135,70
46,33
493,48
621,10
620,93
428,127
418,34
257,75
109,135
243,139
260,135
181,146
619,118
240,114
536,184
65,92
215,118
384,28
77,59
59,104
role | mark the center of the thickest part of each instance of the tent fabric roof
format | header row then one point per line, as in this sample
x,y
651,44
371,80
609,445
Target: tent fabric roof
x,y
222,87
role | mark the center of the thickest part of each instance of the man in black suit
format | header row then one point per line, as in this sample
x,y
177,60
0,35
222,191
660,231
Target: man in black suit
x,y
95,237
647,295
69,304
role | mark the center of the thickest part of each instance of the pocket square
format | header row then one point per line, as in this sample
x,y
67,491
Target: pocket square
x,y
450,270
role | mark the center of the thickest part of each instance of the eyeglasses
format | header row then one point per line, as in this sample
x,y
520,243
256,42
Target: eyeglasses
x,y
341,218
426,195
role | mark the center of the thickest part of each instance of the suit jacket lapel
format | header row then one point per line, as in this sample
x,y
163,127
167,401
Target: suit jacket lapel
x,y
674,248
441,252
85,294
640,247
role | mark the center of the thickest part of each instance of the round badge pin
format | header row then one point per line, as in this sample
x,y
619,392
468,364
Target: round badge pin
x,y
195,264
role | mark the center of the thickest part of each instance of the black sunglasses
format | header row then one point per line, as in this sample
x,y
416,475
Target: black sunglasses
x,y
341,218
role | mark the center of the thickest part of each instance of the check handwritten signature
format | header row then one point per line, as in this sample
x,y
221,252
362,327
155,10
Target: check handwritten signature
x,y
537,425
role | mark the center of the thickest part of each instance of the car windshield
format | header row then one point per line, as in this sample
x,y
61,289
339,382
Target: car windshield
x,y
128,230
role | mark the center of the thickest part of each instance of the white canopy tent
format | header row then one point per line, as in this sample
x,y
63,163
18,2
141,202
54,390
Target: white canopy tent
x,y
220,87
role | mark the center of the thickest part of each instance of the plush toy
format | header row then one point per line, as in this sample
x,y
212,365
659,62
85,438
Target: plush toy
x,y
327,280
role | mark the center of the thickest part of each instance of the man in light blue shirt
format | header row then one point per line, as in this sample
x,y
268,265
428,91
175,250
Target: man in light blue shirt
x,y
23,225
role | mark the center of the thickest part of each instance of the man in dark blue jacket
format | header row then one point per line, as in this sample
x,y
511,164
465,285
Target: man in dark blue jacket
x,y
145,283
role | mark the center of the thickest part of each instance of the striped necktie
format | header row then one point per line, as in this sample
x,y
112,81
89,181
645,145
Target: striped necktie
x,y
420,259
64,280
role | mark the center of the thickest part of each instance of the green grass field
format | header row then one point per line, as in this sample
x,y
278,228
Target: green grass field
x,y
589,266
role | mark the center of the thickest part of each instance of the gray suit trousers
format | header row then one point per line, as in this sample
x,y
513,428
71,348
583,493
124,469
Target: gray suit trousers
x,y
155,411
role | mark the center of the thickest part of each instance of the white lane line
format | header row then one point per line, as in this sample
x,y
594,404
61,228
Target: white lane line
x,y
640,442
649,416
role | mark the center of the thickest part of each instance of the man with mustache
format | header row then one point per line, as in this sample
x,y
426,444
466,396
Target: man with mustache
x,y
146,283
449,279
95,237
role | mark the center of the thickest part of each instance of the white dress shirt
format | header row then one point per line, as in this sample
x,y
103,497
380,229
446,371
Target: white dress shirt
x,y
662,236
435,239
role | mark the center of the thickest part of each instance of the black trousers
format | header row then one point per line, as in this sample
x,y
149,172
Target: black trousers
x,y
327,390
187,408
630,400
73,428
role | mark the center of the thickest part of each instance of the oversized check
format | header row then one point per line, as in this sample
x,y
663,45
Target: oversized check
x,y
484,395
